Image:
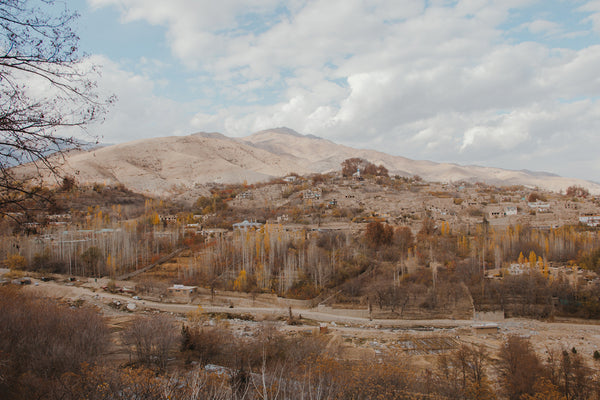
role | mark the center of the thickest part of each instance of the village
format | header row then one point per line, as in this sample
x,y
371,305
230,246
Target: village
x,y
314,205
367,265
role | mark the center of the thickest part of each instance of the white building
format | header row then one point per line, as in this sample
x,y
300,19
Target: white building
x,y
590,220
517,269
539,206
246,225
182,291
510,210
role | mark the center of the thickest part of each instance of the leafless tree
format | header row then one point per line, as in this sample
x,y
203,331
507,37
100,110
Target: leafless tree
x,y
519,367
574,375
463,373
151,339
44,87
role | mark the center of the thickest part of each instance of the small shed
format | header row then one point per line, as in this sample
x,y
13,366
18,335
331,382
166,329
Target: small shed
x,y
182,292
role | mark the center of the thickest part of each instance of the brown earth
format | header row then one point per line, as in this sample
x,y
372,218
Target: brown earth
x,y
359,337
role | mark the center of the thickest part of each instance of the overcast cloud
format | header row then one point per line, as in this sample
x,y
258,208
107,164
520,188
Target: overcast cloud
x,y
511,84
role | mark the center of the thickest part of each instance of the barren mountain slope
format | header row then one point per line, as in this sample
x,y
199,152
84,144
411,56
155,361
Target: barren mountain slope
x,y
156,166
323,155
178,164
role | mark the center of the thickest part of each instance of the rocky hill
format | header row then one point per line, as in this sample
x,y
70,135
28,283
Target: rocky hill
x,y
184,164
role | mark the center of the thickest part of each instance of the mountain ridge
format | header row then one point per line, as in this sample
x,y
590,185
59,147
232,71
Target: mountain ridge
x,y
163,166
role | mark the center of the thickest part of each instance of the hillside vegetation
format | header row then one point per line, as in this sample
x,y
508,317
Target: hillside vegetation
x,y
368,245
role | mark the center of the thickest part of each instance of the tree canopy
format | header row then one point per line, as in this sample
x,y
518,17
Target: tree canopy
x,y
352,165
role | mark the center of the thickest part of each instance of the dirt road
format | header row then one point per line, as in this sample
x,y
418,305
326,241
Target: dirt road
x,y
582,335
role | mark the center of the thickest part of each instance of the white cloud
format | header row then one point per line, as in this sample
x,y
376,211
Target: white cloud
x,y
543,27
438,82
138,112
506,133
593,8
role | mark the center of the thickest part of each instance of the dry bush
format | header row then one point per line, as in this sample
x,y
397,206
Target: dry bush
x,y
389,380
536,196
577,191
104,383
152,287
151,338
207,344
324,377
267,348
15,261
40,340
272,348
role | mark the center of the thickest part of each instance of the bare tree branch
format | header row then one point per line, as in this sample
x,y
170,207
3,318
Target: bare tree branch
x,y
44,89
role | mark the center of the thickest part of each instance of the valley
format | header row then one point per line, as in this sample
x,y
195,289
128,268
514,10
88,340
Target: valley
x,y
431,231
365,268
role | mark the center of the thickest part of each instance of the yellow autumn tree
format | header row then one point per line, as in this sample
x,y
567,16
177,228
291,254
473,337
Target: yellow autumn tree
x,y
240,282
532,259
15,261
110,264
267,240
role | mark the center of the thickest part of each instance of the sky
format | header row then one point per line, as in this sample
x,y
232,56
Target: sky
x,y
513,84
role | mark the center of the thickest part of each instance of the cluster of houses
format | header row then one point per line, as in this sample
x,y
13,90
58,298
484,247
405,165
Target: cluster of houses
x,y
573,274
310,194
245,195
507,211
503,212
590,220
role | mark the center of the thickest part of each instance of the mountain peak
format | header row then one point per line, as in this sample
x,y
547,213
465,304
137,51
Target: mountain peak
x,y
157,165
210,135
282,130
285,131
